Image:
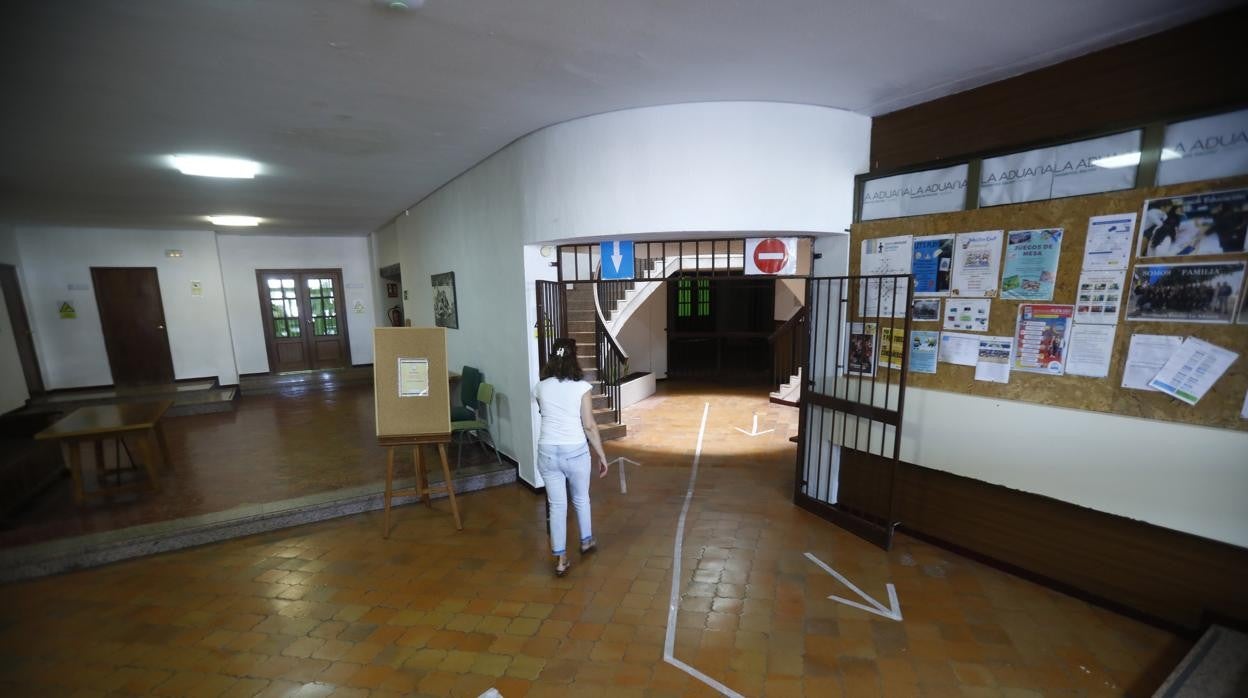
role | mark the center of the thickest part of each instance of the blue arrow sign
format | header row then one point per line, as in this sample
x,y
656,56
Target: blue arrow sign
x,y
617,260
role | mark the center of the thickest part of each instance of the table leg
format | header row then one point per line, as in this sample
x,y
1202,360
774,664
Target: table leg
x,y
422,476
101,468
147,449
450,486
73,459
385,517
164,444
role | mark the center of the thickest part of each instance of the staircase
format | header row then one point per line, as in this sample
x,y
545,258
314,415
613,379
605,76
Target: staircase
x,y
581,327
789,393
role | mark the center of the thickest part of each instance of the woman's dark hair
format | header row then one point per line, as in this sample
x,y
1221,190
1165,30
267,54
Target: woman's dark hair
x,y
563,363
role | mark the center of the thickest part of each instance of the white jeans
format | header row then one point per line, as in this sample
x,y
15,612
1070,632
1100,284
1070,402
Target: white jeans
x,y
561,465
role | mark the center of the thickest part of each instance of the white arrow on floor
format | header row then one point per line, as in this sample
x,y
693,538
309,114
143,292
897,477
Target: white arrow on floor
x,y
754,430
619,464
616,256
894,606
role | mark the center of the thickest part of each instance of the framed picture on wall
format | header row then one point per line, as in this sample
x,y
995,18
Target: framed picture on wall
x,y
392,290
445,310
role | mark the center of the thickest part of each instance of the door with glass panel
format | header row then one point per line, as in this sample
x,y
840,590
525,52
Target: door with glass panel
x,y
304,323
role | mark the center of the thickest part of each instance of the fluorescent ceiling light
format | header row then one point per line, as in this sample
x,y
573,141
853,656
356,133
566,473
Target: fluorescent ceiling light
x,y
1131,159
235,221
213,166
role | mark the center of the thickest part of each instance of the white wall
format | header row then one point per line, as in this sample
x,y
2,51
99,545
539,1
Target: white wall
x,y
688,170
790,295
71,352
644,335
242,255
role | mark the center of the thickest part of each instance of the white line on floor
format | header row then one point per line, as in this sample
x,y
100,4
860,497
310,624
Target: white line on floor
x,y
669,642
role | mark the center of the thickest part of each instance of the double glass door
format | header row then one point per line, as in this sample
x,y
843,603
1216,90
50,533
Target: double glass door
x,y
304,324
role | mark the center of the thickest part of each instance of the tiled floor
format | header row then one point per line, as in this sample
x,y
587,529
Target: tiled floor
x,y
282,445
332,608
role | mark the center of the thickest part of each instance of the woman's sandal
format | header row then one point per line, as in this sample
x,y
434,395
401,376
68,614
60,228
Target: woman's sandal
x,y
589,546
562,570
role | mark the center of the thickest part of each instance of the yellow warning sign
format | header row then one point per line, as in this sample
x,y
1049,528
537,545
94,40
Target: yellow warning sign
x,y
67,311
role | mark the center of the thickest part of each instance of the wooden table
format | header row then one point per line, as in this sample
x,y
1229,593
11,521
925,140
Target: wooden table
x,y
139,422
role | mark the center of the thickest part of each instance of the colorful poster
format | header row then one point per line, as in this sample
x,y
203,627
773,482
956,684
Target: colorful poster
x,y
967,314
915,193
924,347
933,265
976,264
925,310
1198,224
883,256
1145,357
1207,148
1091,349
1042,333
1193,370
1109,242
1185,292
958,348
992,362
1031,264
1099,296
861,355
892,347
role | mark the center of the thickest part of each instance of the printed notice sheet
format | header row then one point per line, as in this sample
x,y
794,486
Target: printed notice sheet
x,y
967,314
883,296
1100,296
1193,370
924,346
960,349
1091,348
892,346
976,264
1031,264
886,256
933,265
993,364
1109,242
1042,333
1147,354
413,377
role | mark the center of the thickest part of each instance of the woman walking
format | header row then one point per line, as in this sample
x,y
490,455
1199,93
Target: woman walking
x,y
568,431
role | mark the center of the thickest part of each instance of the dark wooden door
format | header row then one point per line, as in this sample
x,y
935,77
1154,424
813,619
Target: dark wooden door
x,y
22,335
304,322
133,319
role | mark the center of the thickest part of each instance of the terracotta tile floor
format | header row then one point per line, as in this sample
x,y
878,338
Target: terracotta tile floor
x,y
274,447
333,609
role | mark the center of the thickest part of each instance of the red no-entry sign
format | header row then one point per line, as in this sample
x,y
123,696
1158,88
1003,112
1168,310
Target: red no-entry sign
x,y
771,255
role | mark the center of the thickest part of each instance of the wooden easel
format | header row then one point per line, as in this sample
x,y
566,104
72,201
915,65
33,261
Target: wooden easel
x,y
422,488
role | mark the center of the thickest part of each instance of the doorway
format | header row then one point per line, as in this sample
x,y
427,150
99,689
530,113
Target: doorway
x,y
132,316
22,335
304,327
718,327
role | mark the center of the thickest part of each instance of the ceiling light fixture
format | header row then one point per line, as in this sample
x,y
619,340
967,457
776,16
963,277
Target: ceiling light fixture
x,y
235,221
214,166
1131,159
400,5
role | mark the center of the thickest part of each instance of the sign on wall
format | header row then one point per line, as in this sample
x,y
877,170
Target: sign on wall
x,y
772,256
617,260
915,193
1097,165
1215,146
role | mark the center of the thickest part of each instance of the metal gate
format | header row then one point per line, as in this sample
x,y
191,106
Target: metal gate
x,y
853,395
552,318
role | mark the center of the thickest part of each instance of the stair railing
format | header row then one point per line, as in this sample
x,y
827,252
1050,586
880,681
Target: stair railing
x,y
788,347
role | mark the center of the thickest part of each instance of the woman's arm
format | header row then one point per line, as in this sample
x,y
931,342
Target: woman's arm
x,y
590,425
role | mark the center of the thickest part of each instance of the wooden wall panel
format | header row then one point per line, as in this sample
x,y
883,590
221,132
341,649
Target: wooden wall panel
x,y
1186,70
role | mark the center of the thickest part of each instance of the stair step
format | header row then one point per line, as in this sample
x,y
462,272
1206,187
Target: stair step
x,y
605,415
601,402
581,315
611,432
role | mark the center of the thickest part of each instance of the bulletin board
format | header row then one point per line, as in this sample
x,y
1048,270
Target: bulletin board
x,y
415,417
1220,407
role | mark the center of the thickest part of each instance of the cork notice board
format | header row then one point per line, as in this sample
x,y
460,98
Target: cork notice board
x,y
1220,407
414,417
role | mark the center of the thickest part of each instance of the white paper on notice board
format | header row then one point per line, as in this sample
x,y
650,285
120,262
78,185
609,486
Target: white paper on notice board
x,y
1146,356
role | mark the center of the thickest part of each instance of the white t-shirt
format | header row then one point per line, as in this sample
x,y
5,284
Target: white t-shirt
x,y
560,405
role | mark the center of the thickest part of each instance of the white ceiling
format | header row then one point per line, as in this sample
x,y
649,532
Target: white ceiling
x,y
359,112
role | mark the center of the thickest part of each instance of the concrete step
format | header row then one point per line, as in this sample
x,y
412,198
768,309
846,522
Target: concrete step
x,y
601,402
612,431
581,315
605,415
580,326
587,361
583,339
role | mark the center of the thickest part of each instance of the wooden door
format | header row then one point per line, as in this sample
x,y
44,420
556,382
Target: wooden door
x,y
133,319
304,327
22,335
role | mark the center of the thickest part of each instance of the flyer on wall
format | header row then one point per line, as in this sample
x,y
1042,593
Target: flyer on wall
x,y
933,264
1193,370
883,256
1091,349
925,310
1100,296
924,347
892,347
861,355
1146,355
967,314
1185,292
993,361
1031,264
976,264
1242,318
958,348
1042,333
1197,224
882,296
1109,242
